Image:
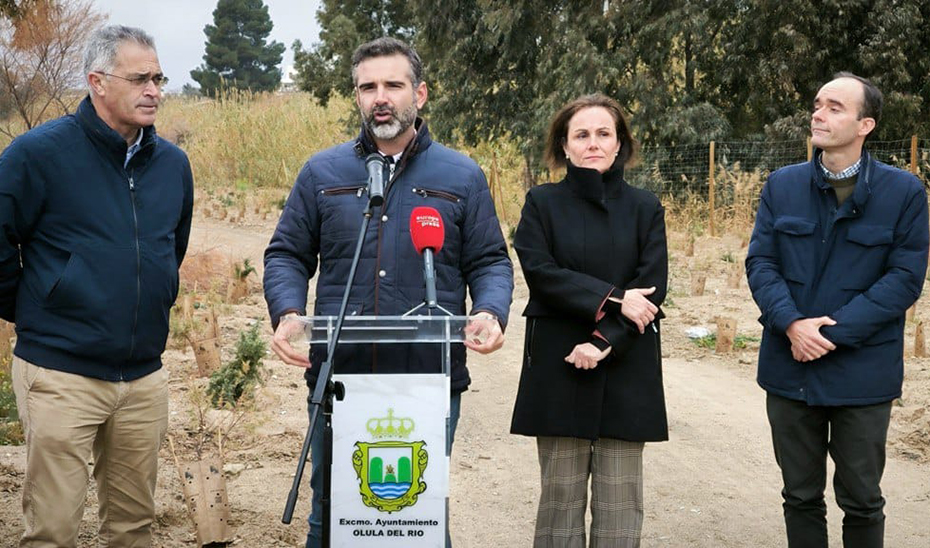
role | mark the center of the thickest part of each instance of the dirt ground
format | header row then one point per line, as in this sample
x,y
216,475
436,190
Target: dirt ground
x,y
714,484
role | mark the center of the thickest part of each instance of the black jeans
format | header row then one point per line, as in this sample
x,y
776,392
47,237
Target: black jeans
x,y
855,438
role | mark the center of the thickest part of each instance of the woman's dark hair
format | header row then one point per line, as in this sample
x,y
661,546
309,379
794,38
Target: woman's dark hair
x,y
558,129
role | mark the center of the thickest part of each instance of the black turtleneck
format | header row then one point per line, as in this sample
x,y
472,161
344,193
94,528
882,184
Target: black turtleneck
x,y
594,186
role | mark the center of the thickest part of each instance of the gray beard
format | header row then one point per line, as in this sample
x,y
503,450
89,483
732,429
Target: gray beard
x,y
390,130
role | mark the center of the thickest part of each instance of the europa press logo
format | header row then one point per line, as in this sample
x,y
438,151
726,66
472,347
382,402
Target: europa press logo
x,y
390,471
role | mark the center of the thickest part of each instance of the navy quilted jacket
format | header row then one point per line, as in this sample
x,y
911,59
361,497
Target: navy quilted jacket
x,y
317,233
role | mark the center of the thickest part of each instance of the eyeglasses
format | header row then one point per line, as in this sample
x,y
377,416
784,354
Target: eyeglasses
x,y
159,79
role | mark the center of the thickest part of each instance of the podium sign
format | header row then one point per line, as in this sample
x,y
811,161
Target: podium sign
x,y
390,471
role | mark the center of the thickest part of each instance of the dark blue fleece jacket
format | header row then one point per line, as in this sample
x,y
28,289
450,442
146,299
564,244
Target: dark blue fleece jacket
x,y
90,249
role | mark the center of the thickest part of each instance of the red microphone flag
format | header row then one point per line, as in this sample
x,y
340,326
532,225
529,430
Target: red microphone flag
x,y
426,229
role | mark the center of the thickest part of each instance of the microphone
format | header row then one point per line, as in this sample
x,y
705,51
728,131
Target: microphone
x,y
427,233
375,166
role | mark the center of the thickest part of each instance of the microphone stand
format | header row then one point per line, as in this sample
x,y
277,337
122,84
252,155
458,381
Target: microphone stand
x,y
322,399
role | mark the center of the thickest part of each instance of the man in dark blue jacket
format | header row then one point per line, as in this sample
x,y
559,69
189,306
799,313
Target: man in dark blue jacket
x,y
95,213
838,254
321,220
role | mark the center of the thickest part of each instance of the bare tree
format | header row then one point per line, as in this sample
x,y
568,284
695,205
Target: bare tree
x,y
40,60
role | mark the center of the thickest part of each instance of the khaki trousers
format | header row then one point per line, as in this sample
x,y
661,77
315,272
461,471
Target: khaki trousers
x,y
69,419
616,471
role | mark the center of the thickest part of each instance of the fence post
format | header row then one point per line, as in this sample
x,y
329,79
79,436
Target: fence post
x,y
810,150
710,197
497,195
914,154
493,176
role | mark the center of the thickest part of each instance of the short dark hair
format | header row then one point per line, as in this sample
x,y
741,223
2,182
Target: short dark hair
x,y
558,129
384,47
872,100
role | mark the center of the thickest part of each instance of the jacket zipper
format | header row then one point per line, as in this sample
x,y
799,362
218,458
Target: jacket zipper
x,y
135,226
655,336
429,193
357,190
529,347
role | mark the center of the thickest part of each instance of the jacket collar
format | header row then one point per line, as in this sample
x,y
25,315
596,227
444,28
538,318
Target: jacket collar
x,y
105,137
863,189
593,186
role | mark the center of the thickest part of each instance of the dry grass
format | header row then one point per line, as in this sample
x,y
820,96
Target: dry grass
x,y
246,149
503,166
736,199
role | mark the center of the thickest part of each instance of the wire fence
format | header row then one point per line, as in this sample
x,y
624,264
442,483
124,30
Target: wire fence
x,y
686,170
717,185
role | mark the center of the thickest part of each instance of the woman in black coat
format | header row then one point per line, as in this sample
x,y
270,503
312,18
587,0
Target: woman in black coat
x,y
594,255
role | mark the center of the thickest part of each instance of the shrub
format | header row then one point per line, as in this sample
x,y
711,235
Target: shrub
x,y
11,431
238,378
740,342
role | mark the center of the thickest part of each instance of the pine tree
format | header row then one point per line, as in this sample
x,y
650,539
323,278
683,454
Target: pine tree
x,y
325,68
237,52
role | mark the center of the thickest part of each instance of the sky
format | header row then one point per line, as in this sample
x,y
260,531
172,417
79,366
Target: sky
x,y
177,27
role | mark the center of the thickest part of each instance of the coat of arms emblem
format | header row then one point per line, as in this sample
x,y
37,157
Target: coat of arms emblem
x,y
390,471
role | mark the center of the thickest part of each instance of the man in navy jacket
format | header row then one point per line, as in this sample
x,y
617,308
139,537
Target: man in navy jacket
x,y
95,213
321,221
838,254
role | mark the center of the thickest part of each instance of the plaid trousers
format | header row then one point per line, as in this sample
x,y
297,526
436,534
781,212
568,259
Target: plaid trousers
x,y
616,471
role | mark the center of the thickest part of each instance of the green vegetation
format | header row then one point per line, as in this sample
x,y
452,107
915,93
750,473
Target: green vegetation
x,y
710,341
11,431
688,72
253,141
238,55
325,68
238,378
243,269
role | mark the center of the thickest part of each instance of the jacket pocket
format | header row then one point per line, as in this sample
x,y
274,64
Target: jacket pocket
x,y
79,287
66,273
796,247
451,209
870,235
657,341
867,248
795,226
340,209
528,343
430,193
358,190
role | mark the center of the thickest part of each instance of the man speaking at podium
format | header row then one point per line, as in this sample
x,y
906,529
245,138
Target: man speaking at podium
x,y
321,220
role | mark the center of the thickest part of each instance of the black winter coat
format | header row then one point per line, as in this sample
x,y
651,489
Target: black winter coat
x,y
578,241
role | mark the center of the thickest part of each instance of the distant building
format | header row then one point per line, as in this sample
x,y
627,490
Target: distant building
x,y
288,80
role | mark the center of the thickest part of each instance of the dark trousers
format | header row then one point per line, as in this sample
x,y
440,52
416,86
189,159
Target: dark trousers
x,y
855,438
